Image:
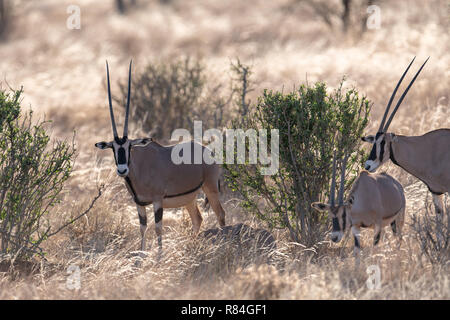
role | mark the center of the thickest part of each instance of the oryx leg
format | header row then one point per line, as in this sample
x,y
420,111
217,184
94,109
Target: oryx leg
x,y
394,226
212,193
438,200
195,215
158,209
357,249
397,224
142,214
377,234
357,236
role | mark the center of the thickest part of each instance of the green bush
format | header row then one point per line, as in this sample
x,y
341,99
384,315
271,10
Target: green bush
x,y
32,174
311,123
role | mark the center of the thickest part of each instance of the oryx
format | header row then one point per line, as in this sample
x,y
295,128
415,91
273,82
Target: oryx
x,y
375,201
152,178
426,157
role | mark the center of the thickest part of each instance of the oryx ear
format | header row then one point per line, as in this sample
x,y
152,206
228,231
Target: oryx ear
x,y
140,142
320,206
370,139
103,145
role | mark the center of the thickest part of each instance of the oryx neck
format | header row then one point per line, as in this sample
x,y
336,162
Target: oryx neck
x,y
134,194
391,151
402,151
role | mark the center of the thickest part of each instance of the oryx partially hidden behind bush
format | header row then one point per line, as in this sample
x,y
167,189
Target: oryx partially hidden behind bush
x,y
152,178
426,157
375,201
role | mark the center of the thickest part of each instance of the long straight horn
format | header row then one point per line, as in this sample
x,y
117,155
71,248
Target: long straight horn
x,y
393,96
402,97
125,127
111,112
333,181
342,182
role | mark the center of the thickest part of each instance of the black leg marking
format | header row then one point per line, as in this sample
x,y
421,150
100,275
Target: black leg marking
x,y
158,215
356,242
394,227
160,242
377,239
142,220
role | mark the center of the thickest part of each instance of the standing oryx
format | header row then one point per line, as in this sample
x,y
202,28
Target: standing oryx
x,y
375,201
152,178
426,157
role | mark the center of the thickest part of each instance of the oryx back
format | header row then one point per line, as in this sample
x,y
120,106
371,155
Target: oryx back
x,y
376,198
181,182
432,161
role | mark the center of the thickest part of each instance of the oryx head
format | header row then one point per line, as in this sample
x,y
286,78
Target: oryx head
x,y
380,142
337,213
121,146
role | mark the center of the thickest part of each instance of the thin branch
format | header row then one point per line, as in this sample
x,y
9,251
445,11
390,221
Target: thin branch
x,y
100,191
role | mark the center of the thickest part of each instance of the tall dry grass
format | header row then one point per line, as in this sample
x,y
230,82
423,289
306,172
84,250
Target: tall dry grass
x,y
63,75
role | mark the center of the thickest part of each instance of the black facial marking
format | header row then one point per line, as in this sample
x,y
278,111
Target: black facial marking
x,y
122,159
142,220
394,227
373,152
158,215
356,241
377,239
382,150
344,219
378,135
335,224
122,140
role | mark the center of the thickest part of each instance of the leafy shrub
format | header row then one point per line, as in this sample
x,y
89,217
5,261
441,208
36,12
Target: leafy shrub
x,y
171,95
311,123
32,174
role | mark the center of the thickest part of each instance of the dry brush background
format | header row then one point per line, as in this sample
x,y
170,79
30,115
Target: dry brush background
x,y
286,42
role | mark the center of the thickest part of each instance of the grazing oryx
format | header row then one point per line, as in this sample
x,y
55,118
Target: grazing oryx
x,y
375,201
152,178
426,157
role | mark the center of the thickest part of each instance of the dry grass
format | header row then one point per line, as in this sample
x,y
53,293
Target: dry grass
x,y
62,72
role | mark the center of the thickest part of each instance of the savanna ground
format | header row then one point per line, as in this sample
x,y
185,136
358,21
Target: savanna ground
x,y
286,43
